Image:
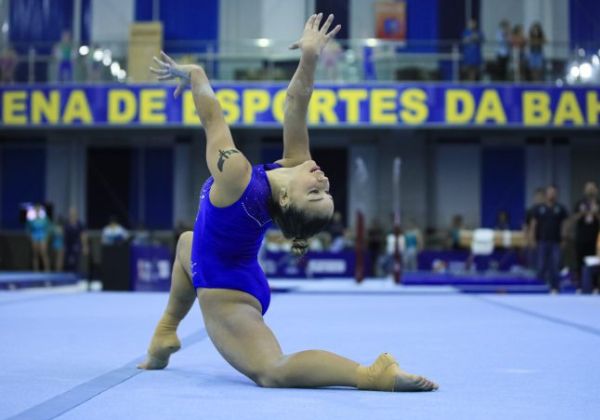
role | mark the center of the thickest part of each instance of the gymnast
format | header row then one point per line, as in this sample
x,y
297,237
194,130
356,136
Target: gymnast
x,y
217,263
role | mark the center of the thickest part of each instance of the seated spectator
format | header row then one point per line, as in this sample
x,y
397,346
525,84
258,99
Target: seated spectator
x,y
275,241
114,233
142,235
343,242
315,244
387,261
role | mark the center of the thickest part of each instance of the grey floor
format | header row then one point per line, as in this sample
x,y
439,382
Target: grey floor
x,y
73,355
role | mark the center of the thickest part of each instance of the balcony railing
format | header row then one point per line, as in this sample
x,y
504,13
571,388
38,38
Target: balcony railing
x,y
267,59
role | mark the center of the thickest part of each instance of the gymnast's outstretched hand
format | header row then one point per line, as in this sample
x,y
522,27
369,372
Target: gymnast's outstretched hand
x,y
168,69
313,39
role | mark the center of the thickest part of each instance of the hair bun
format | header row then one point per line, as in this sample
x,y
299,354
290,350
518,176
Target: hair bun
x,y
299,246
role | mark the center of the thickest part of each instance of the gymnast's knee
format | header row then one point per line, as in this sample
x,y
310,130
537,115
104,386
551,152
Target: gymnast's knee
x,y
270,376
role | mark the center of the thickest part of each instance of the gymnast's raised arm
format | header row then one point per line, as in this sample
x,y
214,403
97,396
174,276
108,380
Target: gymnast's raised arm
x,y
228,166
295,132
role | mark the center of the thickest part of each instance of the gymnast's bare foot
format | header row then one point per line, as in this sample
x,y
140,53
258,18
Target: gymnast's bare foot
x,y
406,382
385,375
163,344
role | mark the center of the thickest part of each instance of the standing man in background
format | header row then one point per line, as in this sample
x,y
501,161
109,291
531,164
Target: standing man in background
x,y
75,241
548,225
539,196
472,61
502,50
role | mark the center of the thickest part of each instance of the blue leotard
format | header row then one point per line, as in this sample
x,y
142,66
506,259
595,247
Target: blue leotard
x,y
227,239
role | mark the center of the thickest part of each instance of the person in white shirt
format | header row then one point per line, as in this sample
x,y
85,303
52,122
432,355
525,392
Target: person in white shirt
x,y
114,233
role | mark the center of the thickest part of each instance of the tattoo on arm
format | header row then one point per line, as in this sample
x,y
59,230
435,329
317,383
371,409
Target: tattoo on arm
x,y
223,156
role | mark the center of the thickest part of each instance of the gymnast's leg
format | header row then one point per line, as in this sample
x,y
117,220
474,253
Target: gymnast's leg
x,y
181,298
236,327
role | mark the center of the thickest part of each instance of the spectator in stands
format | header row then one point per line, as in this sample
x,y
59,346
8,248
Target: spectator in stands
x,y
586,218
548,225
502,50
454,233
93,66
375,241
413,244
536,52
114,233
472,39
539,197
141,235
518,43
343,242
58,244
75,241
9,61
331,56
276,242
315,244
63,52
38,229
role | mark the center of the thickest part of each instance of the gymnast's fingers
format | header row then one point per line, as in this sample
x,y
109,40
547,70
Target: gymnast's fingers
x,y
334,31
327,24
160,63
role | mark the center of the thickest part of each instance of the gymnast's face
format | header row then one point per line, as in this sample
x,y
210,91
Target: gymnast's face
x,y
308,189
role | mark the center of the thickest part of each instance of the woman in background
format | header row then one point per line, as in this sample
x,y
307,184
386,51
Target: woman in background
x,y
38,228
537,40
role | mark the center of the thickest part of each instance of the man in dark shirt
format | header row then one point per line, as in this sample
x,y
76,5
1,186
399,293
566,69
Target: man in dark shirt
x,y
547,226
587,223
75,241
539,197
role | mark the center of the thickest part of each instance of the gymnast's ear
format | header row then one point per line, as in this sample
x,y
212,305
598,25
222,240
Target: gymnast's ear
x,y
284,198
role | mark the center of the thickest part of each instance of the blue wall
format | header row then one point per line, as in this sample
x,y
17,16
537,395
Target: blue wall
x,y
422,22
584,24
187,20
158,192
23,180
341,10
503,185
39,21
